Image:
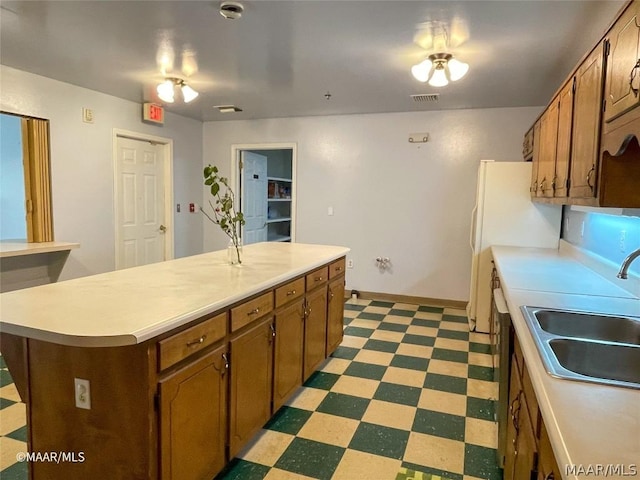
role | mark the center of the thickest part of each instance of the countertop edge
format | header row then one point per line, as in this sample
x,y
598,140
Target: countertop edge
x,y
35,248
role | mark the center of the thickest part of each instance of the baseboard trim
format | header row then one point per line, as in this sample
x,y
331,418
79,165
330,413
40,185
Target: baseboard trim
x,y
392,297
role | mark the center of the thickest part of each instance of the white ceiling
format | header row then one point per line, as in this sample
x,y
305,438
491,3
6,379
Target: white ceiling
x,y
281,57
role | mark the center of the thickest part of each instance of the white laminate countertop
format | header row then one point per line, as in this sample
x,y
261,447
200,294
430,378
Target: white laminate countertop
x,y
130,306
588,424
16,249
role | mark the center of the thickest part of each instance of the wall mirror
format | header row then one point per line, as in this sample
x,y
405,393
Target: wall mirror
x,y
25,183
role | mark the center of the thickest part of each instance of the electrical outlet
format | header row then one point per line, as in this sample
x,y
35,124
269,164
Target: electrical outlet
x,y
623,238
82,393
349,263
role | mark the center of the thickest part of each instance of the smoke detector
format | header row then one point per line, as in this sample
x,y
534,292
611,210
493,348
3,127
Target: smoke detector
x,y
231,10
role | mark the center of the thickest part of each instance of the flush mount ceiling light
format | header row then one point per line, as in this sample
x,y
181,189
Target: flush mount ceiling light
x,y
439,69
167,90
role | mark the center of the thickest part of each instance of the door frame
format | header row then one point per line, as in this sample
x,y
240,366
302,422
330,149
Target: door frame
x,y
167,144
235,178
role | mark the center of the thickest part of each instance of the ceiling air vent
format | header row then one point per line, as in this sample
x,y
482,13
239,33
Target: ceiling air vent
x,y
425,97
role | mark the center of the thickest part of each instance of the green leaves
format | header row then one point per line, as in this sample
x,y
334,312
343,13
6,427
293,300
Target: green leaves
x,y
224,214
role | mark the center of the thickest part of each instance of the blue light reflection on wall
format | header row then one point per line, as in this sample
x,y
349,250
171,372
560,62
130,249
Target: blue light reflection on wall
x,y
602,235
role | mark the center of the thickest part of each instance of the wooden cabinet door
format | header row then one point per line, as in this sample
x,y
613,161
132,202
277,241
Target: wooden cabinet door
x,y
335,314
622,81
193,419
526,452
535,159
587,108
250,383
548,144
287,368
515,409
563,150
315,330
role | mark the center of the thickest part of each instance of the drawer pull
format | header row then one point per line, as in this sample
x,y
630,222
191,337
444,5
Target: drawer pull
x,y
291,292
589,175
255,311
338,269
317,279
632,77
195,343
225,358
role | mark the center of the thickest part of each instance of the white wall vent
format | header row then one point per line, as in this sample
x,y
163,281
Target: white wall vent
x,y
425,97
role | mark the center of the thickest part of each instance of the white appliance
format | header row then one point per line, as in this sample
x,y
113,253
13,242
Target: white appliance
x,y
504,215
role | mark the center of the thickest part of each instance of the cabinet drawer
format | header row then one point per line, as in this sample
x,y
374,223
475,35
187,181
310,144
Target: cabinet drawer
x,y
290,291
336,268
181,345
317,277
251,310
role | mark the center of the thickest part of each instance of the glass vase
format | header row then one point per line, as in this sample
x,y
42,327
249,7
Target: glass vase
x,y
234,253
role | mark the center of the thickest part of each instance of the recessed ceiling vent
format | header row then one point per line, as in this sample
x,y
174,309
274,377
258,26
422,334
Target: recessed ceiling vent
x,y
425,97
227,108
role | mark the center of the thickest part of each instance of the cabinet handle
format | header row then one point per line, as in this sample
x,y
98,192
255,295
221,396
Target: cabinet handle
x,y
225,358
338,269
542,183
632,77
330,294
291,292
553,183
317,279
551,476
273,331
197,342
255,311
589,175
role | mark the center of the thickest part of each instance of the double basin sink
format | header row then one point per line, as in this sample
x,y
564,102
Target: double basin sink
x,y
586,346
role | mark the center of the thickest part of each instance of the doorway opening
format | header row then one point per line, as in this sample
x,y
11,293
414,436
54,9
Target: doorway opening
x,y
143,198
265,177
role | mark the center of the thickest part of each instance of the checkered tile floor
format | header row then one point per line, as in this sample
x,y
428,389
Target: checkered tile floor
x,y
408,395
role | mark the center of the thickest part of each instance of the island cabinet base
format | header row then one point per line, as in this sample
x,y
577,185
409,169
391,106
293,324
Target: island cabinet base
x,y
117,435
180,405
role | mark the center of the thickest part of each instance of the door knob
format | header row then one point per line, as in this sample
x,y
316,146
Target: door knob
x,y
163,228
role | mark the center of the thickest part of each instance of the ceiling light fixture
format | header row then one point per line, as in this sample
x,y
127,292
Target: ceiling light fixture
x,y
167,90
439,69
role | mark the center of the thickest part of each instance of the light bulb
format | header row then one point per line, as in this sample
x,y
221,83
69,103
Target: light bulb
x,y
165,91
439,78
188,93
457,69
421,70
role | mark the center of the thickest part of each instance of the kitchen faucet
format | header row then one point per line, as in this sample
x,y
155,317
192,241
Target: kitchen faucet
x,y
626,262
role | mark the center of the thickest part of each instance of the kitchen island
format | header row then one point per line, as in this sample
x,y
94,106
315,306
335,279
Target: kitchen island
x,y
582,430
184,360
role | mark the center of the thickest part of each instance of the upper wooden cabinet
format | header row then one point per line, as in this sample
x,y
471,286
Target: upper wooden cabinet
x,y
586,143
548,144
623,68
587,111
563,149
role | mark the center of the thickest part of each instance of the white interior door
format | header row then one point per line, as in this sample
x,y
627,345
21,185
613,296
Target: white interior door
x,y
140,205
254,196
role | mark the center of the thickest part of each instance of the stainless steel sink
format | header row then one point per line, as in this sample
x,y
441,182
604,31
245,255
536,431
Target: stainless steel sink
x,y
589,325
587,346
607,361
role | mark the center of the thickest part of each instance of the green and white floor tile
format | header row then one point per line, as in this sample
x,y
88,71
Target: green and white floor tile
x,y
407,396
